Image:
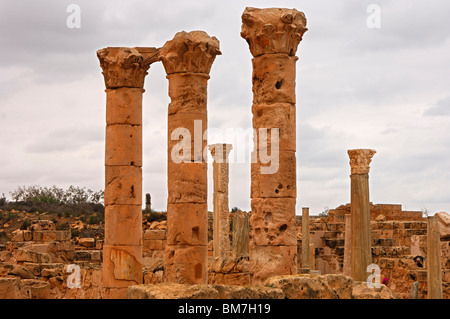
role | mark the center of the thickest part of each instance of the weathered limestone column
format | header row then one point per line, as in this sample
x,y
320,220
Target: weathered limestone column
x,y
124,70
360,210
348,246
187,60
221,220
273,36
306,253
434,267
240,236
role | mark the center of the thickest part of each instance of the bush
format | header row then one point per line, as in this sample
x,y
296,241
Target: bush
x,y
3,200
26,223
94,219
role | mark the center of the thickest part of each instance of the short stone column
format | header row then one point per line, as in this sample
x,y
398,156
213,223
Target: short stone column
x,y
221,220
187,60
312,258
348,246
306,253
360,210
148,202
434,267
273,36
240,234
124,70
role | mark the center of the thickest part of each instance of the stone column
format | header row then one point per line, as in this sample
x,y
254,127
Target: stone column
x,y
124,70
221,220
434,269
148,202
312,250
187,59
306,254
348,246
240,234
360,211
273,36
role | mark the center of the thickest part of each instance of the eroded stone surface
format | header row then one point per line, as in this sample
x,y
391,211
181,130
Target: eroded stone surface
x,y
360,160
273,30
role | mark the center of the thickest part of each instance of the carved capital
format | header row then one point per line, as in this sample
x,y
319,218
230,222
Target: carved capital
x,y
360,160
273,30
126,67
220,152
189,52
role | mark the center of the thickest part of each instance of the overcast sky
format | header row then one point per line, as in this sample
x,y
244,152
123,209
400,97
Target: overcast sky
x,y
385,88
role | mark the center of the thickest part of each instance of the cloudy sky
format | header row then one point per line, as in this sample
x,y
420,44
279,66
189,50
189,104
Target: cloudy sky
x,y
358,86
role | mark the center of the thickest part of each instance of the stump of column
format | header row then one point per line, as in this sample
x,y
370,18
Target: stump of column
x,y
240,235
187,60
361,254
306,253
221,220
348,246
273,36
434,270
124,70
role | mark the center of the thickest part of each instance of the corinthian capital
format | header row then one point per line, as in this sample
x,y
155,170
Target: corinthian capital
x,y
189,52
126,67
273,30
360,160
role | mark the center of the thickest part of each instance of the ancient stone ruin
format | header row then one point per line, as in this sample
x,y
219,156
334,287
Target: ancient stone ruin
x,y
270,252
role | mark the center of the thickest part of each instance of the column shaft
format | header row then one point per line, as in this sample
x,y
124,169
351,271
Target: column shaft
x,y
221,222
360,225
187,60
306,254
361,254
273,36
434,268
124,70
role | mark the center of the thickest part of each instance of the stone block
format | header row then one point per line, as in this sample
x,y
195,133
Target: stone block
x,y
124,106
123,185
187,183
279,116
269,261
185,140
155,234
274,78
122,266
186,264
188,93
123,145
268,182
123,225
273,221
187,224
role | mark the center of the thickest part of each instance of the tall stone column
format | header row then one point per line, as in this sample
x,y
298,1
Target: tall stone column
x,y
434,268
273,36
306,254
361,254
348,246
221,220
124,70
187,59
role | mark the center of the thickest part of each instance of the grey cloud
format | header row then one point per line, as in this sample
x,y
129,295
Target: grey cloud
x,y
440,108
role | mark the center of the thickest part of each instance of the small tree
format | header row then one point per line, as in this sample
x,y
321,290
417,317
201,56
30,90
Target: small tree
x,y
325,211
